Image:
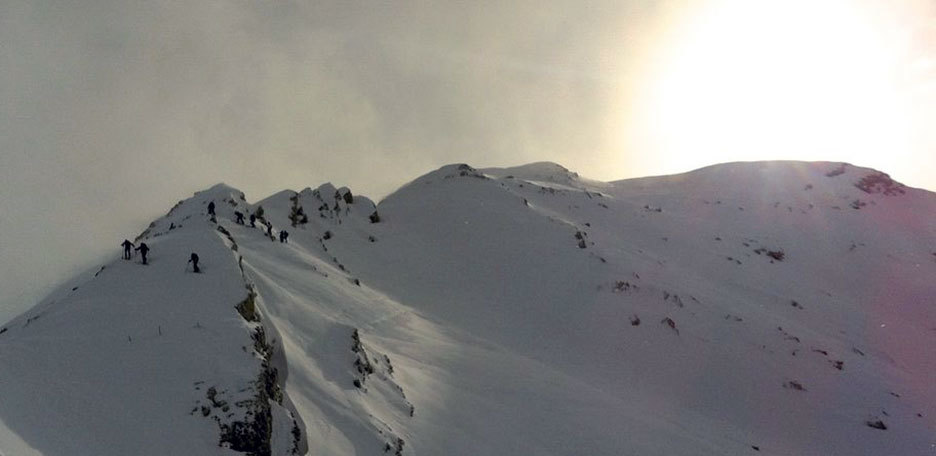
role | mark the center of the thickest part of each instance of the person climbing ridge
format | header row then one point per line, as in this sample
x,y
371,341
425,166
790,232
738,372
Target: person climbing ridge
x,y
127,245
284,235
143,248
239,217
194,260
211,208
253,221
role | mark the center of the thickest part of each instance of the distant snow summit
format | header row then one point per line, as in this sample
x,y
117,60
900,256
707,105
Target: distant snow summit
x,y
770,308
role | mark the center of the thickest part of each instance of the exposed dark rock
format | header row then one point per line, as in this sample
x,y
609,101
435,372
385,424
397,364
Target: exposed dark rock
x,y
880,183
252,436
248,308
230,238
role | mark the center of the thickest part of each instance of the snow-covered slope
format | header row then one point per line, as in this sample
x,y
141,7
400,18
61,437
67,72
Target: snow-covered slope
x,y
146,359
747,308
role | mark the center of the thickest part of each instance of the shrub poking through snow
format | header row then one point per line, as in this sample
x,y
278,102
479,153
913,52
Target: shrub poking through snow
x,y
794,385
876,424
622,286
465,171
837,171
362,363
675,299
669,322
297,215
775,254
389,365
396,447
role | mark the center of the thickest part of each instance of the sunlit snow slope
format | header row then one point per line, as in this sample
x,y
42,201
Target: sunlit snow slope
x,y
749,308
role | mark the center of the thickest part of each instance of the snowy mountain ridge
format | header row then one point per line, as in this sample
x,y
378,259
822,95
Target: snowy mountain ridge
x,y
744,308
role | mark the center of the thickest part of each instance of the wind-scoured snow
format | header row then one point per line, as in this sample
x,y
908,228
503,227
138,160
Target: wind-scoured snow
x,y
746,308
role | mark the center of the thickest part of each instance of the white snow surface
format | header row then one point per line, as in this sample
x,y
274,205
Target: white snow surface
x,y
768,308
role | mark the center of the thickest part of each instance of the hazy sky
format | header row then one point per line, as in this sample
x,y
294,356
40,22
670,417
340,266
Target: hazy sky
x,y
110,111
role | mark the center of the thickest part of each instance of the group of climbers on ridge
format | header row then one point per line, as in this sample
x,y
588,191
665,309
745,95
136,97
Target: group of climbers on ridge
x,y
193,258
128,250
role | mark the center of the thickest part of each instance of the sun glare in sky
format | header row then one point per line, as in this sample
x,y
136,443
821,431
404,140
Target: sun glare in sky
x,y
744,80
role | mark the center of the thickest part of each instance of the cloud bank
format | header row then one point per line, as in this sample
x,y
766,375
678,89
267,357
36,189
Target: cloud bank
x,y
110,111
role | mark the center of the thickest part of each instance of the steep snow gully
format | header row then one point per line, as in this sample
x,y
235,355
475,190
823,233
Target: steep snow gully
x,y
771,308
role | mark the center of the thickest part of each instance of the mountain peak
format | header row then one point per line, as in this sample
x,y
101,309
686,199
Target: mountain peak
x,y
805,285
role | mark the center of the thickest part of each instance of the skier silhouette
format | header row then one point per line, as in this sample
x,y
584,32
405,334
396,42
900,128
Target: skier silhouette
x,y
253,221
211,208
269,229
143,248
127,245
194,260
240,217
283,235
